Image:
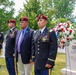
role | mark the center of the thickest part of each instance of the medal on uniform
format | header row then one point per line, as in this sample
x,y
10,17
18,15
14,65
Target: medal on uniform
x,y
43,39
12,35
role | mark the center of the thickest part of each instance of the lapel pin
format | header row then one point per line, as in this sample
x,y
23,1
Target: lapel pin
x,y
26,31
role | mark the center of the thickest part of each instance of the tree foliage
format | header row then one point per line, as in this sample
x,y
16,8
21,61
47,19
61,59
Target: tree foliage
x,y
64,8
54,9
31,10
55,22
6,13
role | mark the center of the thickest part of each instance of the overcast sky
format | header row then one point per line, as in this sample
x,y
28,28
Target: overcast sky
x,y
19,4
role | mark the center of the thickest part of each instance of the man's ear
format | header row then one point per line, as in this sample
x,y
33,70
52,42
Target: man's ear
x,y
46,21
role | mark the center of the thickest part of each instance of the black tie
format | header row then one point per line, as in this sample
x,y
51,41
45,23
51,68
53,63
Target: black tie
x,y
10,31
40,32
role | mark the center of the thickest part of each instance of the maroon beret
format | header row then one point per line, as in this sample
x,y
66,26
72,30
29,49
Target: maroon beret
x,y
42,17
11,21
23,19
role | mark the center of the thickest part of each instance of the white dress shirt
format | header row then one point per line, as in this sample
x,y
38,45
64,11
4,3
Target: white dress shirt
x,y
42,29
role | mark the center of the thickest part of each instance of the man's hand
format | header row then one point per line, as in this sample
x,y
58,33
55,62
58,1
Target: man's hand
x,y
14,55
31,61
48,66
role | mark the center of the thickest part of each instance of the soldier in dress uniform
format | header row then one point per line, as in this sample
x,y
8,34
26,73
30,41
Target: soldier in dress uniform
x,y
10,46
44,47
1,40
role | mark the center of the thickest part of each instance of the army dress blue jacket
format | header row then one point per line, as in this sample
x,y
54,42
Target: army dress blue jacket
x,y
10,42
44,48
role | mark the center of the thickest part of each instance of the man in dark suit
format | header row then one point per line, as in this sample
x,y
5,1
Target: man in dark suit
x,y
10,46
44,47
1,40
23,47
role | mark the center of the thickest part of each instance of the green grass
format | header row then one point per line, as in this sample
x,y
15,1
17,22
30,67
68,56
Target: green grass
x,y
60,63
3,70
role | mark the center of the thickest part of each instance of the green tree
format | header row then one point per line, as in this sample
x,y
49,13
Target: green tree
x,y
48,9
54,9
6,13
61,8
64,8
55,22
31,10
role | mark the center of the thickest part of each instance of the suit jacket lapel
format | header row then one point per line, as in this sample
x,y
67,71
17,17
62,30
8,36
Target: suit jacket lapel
x,y
25,35
17,38
18,34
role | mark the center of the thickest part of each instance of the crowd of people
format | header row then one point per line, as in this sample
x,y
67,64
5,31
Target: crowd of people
x,y
27,47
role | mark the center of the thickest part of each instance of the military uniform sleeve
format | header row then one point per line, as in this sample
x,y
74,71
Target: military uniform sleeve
x,y
16,33
16,30
53,48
